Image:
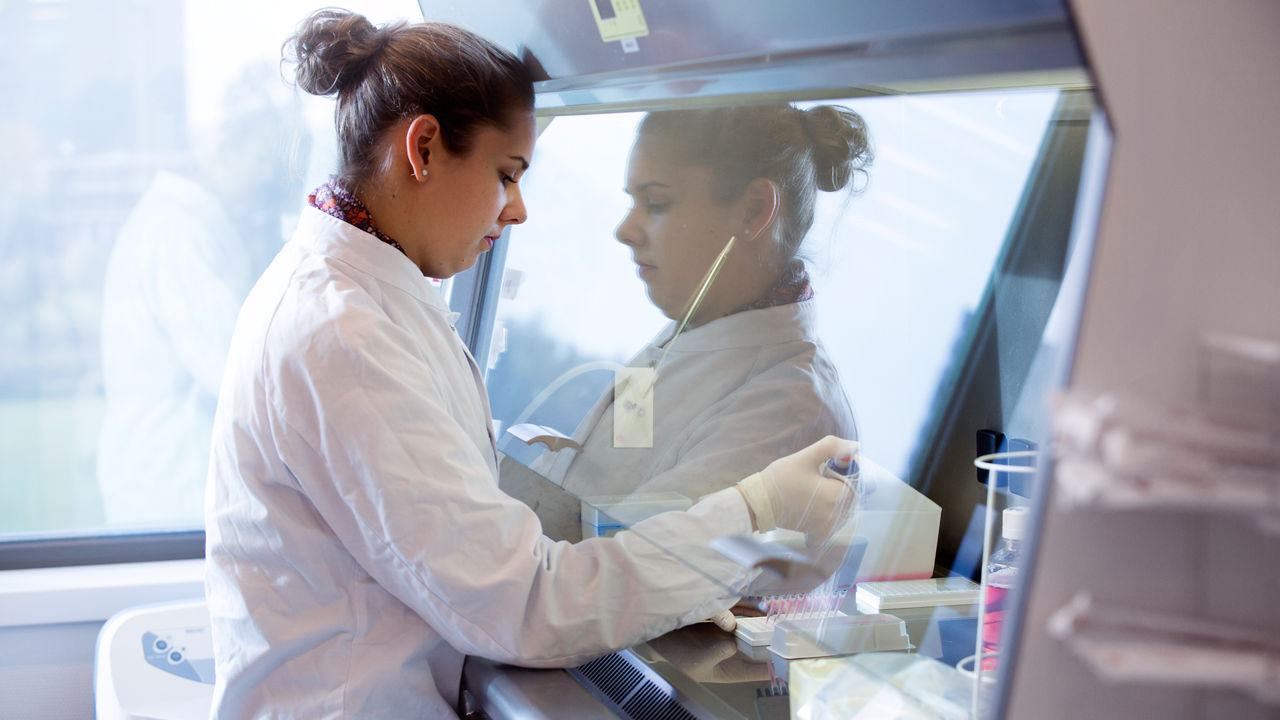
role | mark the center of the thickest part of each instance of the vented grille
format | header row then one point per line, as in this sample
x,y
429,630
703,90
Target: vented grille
x,y
649,702
613,676
632,693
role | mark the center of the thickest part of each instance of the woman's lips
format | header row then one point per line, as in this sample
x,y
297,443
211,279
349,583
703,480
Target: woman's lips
x,y
645,272
488,242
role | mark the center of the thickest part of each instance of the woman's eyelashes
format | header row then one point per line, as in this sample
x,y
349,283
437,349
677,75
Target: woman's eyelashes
x,y
655,206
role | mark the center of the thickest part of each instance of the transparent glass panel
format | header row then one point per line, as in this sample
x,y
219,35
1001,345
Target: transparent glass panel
x,y
155,160
897,269
946,292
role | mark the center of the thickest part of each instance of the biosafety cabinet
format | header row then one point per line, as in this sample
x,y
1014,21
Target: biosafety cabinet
x,y
949,282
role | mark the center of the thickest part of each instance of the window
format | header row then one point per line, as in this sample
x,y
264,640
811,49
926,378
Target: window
x,y
155,160
915,248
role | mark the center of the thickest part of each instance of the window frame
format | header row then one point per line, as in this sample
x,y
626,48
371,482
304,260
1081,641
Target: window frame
x,y
49,550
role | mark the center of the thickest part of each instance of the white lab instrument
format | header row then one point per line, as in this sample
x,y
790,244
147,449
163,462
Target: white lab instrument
x,y
758,631
155,662
836,636
878,686
1127,645
900,525
890,595
896,524
604,515
1126,453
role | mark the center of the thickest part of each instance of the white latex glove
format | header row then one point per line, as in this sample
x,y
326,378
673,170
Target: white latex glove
x,y
726,621
792,492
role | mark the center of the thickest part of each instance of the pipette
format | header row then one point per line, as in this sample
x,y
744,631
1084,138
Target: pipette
x,y
707,279
847,470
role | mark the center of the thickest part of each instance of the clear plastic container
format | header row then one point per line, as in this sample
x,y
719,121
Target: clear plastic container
x,y
1003,571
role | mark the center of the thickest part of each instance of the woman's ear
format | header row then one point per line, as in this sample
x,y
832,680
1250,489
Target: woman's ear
x,y
762,201
422,135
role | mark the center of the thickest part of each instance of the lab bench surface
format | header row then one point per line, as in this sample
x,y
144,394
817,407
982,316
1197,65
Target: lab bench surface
x,y
695,672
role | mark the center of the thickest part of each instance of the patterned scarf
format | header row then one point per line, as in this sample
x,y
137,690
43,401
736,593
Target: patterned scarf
x,y
333,199
793,287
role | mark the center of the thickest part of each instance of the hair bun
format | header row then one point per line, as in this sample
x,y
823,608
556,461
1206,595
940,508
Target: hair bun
x,y
840,143
332,49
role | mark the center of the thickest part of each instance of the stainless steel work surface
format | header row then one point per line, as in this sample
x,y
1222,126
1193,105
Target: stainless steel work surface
x,y
713,670
506,692
709,674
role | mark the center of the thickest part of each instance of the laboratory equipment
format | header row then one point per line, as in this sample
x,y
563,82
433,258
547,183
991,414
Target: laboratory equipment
x,y
155,662
847,470
843,469
1126,645
878,686
900,523
994,359
759,631
1003,571
810,637
605,515
893,595
1125,454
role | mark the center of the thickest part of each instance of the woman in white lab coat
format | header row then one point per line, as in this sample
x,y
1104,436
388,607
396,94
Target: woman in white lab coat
x,y
748,378
358,545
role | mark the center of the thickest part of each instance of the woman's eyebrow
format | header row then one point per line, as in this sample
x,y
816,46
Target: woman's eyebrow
x,y
524,164
644,186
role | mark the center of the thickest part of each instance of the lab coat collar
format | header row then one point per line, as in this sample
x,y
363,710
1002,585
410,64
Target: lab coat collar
x,y
331,237
751,328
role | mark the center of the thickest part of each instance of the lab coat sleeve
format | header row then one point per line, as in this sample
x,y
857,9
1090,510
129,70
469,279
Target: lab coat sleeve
x,y
372,440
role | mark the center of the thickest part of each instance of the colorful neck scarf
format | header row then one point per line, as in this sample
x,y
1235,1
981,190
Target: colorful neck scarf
x,y
792,288
333,199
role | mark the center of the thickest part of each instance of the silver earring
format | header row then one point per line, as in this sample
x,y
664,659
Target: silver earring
x,y
421,177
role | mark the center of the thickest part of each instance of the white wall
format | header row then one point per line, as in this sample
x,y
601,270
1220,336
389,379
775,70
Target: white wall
x,y
1189,242
49,622
46,671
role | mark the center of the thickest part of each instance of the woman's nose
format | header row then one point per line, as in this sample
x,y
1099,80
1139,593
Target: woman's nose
x,y
626,232
514,213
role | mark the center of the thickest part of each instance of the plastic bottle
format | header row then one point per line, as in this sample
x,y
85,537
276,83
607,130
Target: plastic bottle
x,y
1003,573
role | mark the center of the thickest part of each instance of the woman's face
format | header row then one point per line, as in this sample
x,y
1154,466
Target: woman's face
x,y
481,193
675,230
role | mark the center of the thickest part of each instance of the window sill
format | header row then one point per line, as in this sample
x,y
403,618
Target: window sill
x,y
93,593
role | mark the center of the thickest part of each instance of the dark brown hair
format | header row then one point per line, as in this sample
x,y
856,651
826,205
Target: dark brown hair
x,y
802,151
381,74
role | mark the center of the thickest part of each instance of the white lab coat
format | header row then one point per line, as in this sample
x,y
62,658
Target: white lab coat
x,y
731,396
358,545
174,283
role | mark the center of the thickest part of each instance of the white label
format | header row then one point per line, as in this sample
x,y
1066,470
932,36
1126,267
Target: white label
x,y
633,408
618,19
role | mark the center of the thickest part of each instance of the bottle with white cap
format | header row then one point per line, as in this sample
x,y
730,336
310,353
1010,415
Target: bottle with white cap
x,y
1003,572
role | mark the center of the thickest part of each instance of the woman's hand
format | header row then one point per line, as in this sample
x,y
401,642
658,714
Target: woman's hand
x,y
793,493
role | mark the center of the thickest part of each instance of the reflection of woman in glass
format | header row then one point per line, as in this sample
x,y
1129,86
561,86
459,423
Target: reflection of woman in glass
x,y
182,264
747,379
